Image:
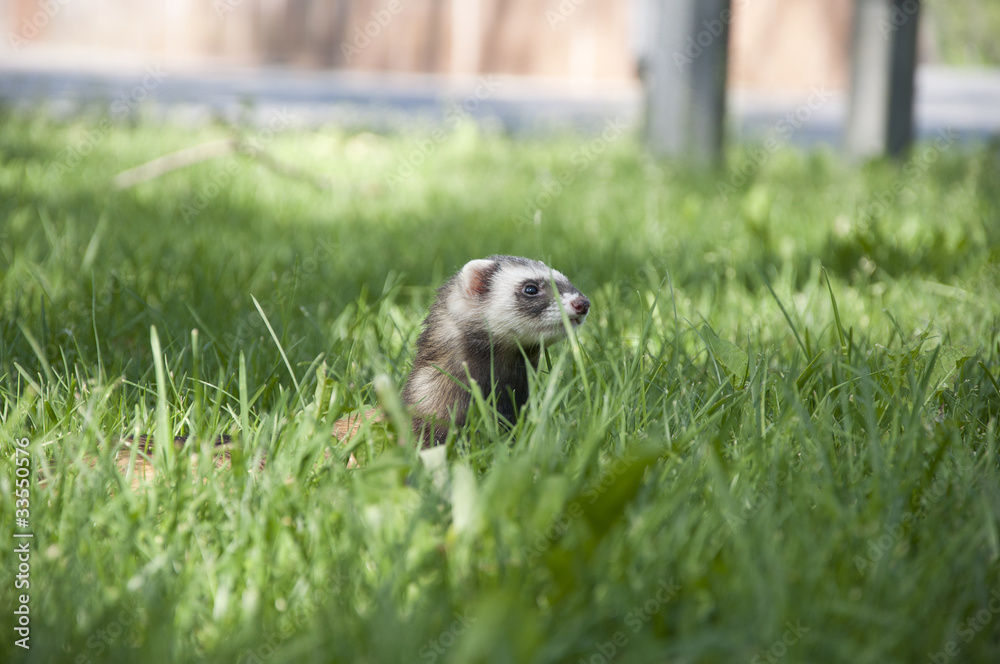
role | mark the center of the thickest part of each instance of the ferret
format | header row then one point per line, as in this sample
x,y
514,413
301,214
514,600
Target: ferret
x,y
487,323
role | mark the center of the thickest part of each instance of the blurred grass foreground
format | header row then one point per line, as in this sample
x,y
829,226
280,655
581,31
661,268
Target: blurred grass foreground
x,y
775,438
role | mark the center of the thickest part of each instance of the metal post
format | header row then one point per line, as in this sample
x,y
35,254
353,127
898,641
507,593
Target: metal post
x,y
683,68
883,64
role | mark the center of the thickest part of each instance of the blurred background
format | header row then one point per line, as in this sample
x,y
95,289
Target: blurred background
x,y
566,61
776,44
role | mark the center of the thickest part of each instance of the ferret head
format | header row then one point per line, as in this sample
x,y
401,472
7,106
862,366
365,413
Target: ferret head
x,y
516,299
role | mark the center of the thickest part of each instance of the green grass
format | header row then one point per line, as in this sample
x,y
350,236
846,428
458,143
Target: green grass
x,y
960,32
775,438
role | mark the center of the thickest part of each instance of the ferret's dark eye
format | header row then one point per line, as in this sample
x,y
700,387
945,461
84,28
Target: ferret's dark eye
x,y
530,289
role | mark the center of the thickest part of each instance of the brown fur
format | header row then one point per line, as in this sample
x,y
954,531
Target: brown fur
x,y
460,343
475,330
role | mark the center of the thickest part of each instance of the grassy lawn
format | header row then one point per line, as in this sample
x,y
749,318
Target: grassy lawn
x,y
775,438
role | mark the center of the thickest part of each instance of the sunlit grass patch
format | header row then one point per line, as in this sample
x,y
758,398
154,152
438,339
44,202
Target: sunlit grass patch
x,y
775,436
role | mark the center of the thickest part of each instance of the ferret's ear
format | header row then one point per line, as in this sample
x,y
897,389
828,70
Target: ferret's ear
x,y
475,277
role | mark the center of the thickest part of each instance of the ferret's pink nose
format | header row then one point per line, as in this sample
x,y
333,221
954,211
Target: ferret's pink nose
x,y
581,305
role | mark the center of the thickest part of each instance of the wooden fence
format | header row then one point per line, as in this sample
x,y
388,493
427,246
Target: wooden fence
x,y
790,44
